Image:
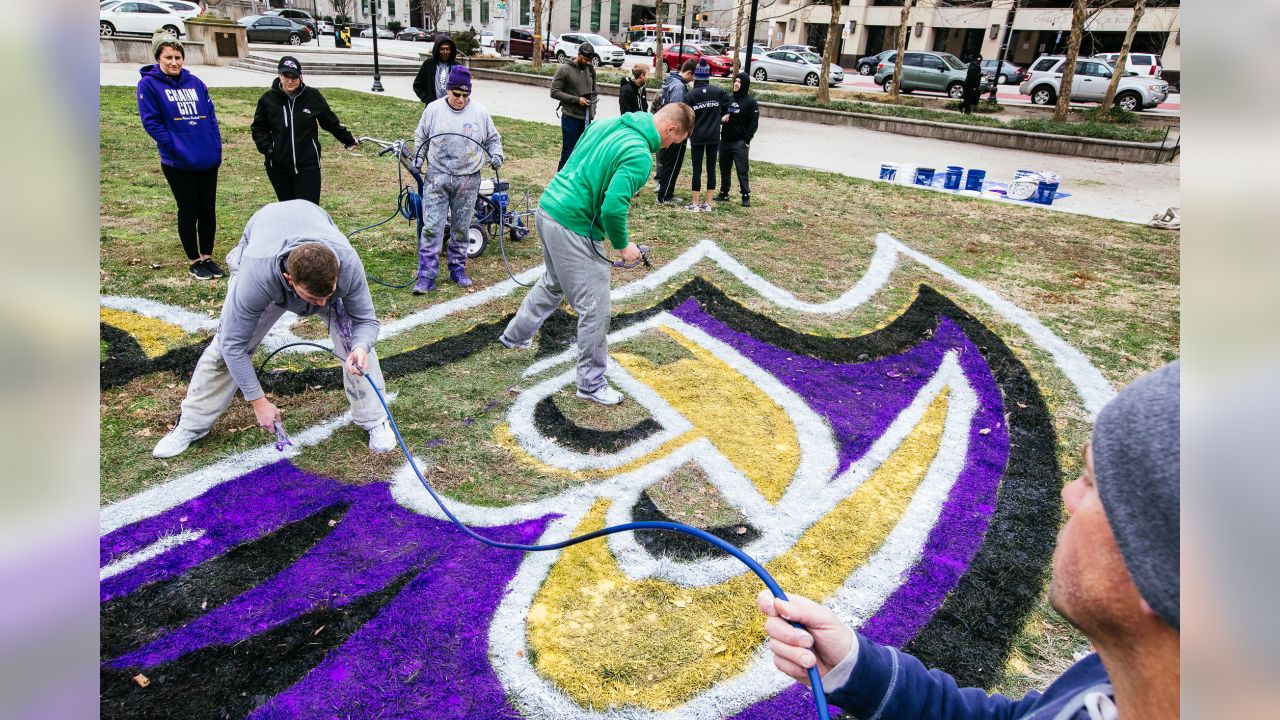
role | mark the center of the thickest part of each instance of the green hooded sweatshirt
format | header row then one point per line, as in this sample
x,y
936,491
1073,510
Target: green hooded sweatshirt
x,y
611,162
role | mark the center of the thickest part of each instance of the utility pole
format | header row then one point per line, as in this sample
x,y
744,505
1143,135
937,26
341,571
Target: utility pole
x,y
377,74
751,37
1004,48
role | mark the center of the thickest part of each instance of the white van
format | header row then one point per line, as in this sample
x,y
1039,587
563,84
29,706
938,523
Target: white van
x,y
1145,64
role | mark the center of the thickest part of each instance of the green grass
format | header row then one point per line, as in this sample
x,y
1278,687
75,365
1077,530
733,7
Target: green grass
x,y
1108,288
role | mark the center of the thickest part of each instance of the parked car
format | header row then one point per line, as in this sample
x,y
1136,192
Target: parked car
x,y
929,71
1009,73
792,66
717,48
414,34
486,38
383,33
185,10
867,65
798,48
649,45
324,27
270,28
1138,63
756,52
566,48
302,17
1134,92
672,57
138,18
521,44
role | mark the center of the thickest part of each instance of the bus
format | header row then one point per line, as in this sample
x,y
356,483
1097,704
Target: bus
x,y
636,33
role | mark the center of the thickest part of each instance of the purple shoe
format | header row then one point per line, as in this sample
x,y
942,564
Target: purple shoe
x,y
424,285
460,277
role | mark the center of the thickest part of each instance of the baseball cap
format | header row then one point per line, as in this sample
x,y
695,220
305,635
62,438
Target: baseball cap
x,y
289,65
587,49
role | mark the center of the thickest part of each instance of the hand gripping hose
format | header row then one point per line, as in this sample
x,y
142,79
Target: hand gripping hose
x,y
815,678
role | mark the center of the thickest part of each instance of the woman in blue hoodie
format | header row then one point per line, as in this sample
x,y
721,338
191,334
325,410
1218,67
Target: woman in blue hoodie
x,y
178,114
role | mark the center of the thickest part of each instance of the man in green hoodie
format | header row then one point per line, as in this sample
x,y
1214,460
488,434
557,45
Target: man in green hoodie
x,y
586,202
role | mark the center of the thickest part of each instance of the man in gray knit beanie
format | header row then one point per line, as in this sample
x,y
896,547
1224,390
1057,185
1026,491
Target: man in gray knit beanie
x,y
1115,577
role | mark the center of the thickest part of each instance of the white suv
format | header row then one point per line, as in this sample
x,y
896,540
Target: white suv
x,y
649,45
566,49
1092,77
1147,64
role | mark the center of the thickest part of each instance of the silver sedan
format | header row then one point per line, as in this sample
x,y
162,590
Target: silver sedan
x,y
788,66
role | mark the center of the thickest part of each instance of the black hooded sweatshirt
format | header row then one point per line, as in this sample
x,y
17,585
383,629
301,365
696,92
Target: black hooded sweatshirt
x,y
744,114
424,85
632,98
709,103
284,128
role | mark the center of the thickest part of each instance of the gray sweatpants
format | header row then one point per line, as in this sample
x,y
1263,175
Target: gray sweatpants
x,y
452,197
212,386
574,271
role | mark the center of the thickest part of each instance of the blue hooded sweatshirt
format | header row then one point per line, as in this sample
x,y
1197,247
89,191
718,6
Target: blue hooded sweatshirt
x,y
178,113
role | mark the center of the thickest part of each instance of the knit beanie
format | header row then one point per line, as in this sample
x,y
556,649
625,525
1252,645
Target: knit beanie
x,y
702,71
164,36
459,78
1136,462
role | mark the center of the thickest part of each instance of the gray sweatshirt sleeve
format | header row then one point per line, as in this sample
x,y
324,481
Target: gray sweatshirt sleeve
x,y
422,138
243,308
358,302
495,140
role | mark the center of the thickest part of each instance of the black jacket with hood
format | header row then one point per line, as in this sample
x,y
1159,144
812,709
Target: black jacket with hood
x,y
424,85
709,103
285,128
744,114
632,98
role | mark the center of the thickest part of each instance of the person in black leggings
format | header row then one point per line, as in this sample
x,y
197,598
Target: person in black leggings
x,y
709,103
285,131
178,113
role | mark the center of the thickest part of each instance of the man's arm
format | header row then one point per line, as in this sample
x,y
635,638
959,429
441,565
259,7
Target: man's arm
x,y
751,122
358,303
240,314
628,178
558,84
328,120
424,82
422,138
494,145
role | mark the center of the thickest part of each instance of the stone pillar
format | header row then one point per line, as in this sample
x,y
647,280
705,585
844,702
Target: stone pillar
x,y
224,41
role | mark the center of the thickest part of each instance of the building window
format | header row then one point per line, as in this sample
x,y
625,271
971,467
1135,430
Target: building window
x,y
466,11
364,7
524,12
575,15
484,12
595,15
615,16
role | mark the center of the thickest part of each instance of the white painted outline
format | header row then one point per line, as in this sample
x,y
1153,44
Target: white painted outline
x,y
155,549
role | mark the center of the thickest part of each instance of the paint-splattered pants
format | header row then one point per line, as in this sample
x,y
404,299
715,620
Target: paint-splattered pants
x,y
451,197
212,386
576,272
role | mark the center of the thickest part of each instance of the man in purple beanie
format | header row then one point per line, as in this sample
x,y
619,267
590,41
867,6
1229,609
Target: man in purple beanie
x,y
1116,577
454,137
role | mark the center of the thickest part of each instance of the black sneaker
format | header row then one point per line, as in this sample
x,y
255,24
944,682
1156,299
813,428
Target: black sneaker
x,y
746,201
199,271
722,197
213,268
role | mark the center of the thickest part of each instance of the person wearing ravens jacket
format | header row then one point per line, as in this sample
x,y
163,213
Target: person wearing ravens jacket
x,y
177,112
740,123
709,103
429,85
284,129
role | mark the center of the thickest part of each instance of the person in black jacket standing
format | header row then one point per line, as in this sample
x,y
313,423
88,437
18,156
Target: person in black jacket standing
x,y
284,129
709,103
740,123
434,73
972,85
633,96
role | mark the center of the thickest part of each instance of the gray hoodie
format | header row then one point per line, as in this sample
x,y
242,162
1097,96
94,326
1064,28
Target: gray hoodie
x,y
437,140
259,283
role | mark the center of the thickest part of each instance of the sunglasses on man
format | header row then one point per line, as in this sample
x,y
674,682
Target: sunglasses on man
x,y
459,94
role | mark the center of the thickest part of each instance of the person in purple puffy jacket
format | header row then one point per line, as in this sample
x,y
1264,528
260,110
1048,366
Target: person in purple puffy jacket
x,y
178,114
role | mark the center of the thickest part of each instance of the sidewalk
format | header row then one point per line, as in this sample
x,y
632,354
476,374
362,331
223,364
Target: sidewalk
x,y
1121,191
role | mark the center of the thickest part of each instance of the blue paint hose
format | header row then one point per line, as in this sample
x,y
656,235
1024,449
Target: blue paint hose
x,y
815,679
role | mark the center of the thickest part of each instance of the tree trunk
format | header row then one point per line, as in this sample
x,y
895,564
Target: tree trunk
x,y
536,50
738,23
1121,61
903,26
832,51
659,67
1078,11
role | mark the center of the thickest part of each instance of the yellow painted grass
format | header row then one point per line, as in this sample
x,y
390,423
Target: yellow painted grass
x,y
606,640
155,337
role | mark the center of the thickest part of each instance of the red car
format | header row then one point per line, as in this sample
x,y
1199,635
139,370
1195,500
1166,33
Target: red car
x,y
720,64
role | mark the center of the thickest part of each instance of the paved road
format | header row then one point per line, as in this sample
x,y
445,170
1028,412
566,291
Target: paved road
x,y
1124,191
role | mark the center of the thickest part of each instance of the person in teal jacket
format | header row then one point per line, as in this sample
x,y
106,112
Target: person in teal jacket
x,y
586,202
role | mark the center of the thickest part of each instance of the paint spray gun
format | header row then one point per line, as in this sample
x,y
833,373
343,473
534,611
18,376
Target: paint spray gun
x,y
282,440
644,260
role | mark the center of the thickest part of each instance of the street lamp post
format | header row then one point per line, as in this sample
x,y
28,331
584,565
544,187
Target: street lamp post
x,y
377,74
751,38
1003,54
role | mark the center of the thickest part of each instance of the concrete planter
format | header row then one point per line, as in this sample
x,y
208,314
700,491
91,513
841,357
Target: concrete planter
x,y
138,51
485,63
224,41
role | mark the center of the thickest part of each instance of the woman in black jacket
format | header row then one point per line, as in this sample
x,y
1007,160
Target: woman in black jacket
x,y
285,131
434,73
633,96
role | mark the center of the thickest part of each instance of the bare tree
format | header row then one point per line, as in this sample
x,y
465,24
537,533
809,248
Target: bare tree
x,y
536,50
1079,13
343,9
903,24
434,10
1110,97
660,22
739,27
831,54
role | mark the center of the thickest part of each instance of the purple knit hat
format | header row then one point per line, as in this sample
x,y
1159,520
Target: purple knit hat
x,y
459,78
703,70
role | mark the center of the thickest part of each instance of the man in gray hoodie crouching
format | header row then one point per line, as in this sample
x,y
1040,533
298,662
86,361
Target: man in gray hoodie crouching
x,y
291,258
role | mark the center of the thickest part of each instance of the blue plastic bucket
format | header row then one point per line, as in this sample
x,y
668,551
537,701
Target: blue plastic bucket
x,y
1044,194
952,181
1022,173
974,179
924,176
888,171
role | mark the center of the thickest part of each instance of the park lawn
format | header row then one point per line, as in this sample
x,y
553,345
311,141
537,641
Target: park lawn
x,y
1111,289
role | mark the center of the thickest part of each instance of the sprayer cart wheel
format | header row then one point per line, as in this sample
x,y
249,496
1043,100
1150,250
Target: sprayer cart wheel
x,y
477,240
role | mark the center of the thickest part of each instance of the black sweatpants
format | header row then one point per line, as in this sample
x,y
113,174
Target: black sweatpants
x,y
669,161
734,153
708,152
196,192
296,186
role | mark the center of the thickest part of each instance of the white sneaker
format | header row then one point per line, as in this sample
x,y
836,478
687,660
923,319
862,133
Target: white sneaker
x,y
604,395
382,439
176,442
514,346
